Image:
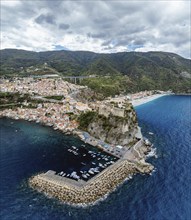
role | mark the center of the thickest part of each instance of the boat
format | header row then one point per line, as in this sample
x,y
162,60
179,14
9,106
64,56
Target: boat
x,y
74,175
83,163
151,133
81,171
96,170
93,163
101,165
90,171
84,155
84,176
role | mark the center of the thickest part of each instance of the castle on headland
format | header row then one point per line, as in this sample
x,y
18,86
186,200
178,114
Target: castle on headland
x,y
119,107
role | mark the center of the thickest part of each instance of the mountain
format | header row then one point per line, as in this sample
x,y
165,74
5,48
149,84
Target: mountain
x,y
139,70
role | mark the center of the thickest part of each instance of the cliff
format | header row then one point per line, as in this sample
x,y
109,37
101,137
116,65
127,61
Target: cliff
x,y
112,123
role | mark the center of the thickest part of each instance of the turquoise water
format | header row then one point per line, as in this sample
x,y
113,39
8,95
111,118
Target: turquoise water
x,y
28,148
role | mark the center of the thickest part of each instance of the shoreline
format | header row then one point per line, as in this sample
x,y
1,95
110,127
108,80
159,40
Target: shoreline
x,y
99,187
144,100
131,161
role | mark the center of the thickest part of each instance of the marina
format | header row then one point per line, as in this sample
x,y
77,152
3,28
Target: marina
x,y
92,162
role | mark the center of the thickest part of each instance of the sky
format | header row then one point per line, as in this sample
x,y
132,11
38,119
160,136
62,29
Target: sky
x,y
98,26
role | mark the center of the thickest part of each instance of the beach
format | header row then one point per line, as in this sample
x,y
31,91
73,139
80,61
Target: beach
x,y
140,101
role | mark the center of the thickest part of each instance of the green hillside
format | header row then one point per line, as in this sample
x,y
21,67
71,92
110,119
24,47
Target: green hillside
x,y
117,72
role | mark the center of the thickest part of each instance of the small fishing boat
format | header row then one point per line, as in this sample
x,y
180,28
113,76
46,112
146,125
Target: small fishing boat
x,y
96,170
101,165
90,171
84,176
74,147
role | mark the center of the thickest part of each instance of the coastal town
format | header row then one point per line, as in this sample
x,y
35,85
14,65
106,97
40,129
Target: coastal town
x,y
54,104
61,114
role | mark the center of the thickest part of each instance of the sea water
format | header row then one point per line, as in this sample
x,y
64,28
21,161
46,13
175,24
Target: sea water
x,y
28,148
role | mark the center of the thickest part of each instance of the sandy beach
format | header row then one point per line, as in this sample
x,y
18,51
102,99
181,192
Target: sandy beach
x,y
146,99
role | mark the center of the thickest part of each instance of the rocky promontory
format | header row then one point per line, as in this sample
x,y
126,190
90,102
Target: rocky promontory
x,y
114,123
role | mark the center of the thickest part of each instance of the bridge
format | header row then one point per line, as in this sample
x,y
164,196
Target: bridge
x,y
75,78
71,78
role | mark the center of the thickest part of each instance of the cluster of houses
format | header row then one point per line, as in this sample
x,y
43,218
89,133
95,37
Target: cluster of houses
x,y
58,114
40,86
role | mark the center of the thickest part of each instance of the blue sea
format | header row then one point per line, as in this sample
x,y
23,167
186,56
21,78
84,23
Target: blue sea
x,y
28,148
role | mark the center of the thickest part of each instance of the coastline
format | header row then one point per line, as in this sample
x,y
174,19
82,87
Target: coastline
x,y
82,193
144,100
131,160
97,188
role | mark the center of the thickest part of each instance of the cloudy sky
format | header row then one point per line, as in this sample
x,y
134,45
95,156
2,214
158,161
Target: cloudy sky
x,y
99,26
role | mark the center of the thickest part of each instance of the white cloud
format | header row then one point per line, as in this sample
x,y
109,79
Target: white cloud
x,y
99,26
10,3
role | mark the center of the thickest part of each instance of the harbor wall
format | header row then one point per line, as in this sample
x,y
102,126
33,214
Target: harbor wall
x,y
74,192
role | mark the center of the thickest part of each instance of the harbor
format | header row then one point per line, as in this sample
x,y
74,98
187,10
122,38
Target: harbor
x,y
96,179
90,163
82,192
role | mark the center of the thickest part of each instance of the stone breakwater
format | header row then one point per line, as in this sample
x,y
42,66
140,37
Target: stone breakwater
x,y
81,192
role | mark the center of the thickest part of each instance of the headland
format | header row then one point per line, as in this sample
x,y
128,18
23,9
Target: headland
x,y
109,124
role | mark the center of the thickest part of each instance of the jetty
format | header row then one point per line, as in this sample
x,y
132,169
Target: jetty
x,y
88,192
82,192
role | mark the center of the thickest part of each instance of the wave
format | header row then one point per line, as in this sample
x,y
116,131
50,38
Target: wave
x,y
152,153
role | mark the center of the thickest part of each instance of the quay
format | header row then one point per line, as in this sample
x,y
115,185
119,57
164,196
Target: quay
x,y
88,192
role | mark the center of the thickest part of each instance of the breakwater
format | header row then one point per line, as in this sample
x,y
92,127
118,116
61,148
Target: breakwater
x,y
81,192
